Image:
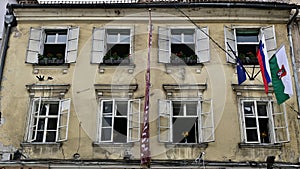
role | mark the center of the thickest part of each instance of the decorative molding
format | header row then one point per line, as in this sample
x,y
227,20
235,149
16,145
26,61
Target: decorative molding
x,y
52,90
250,88
111,89
175,88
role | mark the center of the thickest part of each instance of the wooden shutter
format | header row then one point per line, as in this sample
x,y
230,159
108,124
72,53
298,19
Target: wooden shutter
x,y
33,124
165,121
230,39
270,39
206,121
280,124
202,45
63,119
35,44
72,45
164,45
98,45
133,120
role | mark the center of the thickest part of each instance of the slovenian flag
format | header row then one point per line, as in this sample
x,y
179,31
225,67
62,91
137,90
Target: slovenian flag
x,y
263,60
281,75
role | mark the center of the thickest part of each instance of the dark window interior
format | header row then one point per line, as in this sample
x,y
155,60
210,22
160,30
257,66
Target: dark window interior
x,y
185,130
247,45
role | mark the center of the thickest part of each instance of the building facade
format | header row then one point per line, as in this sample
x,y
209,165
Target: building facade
x,y
73,86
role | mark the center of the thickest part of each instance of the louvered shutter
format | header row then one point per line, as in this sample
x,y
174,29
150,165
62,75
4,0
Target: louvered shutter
x,y
165,121
280,124
270,39
202,45
133,120
164,45
72,45
230,39
34,45
206,121
98,46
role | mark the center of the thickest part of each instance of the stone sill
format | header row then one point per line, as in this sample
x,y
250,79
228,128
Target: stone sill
x,y
112,145
269,146
24,144
183,145
63,67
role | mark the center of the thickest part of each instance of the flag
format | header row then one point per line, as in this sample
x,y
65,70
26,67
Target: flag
x,y
263,60
241,73
281,75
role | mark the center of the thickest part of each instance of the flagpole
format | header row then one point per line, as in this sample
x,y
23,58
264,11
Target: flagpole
x,y
145,145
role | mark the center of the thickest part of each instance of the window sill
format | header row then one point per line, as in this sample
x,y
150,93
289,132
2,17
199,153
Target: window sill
x,y
25,144
260,145
182,145
103,145
170,67
103,66
64,68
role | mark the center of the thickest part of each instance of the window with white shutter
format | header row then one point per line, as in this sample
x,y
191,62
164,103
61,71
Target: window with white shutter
x,y
51,47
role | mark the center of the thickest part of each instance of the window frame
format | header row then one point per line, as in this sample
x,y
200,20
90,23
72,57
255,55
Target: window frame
x,y
62,117
165,110
99,42
37,41
131,113
268,32
201,41
272,128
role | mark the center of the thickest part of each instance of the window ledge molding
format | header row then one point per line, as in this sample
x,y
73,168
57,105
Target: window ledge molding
x,y
129,67
27,144
251,145
170,67
59,90
177,88
64,68
113,145
239,89
111,89
191,145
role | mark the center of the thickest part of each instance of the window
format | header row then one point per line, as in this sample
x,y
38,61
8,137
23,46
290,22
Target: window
x,y
52,47
264,122
49,120
183,45
119,121
112,46
186,121
243,42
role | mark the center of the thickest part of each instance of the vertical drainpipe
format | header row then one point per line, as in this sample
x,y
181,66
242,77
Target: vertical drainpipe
x,y
9,19
292,54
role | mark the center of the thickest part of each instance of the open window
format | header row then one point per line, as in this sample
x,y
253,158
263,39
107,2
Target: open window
x,y
51,47
119,121
243,42
183,45
264,122
112,46
49,120
185,121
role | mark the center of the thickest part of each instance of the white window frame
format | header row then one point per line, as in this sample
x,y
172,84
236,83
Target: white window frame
x,y
277,120
231,38
37,37
133,119
100,41
201,41
204,115
62,116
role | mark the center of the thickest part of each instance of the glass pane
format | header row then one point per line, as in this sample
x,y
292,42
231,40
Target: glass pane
x,y
249,38
250,122
249,108
112,38
107,107
262,108
50,136
41,124
62,38
189,38
191,108
50,38
106,121
39,137
44,108
176,38
52,124
124,38
122,108
53,110
177,108
252,135
106,134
